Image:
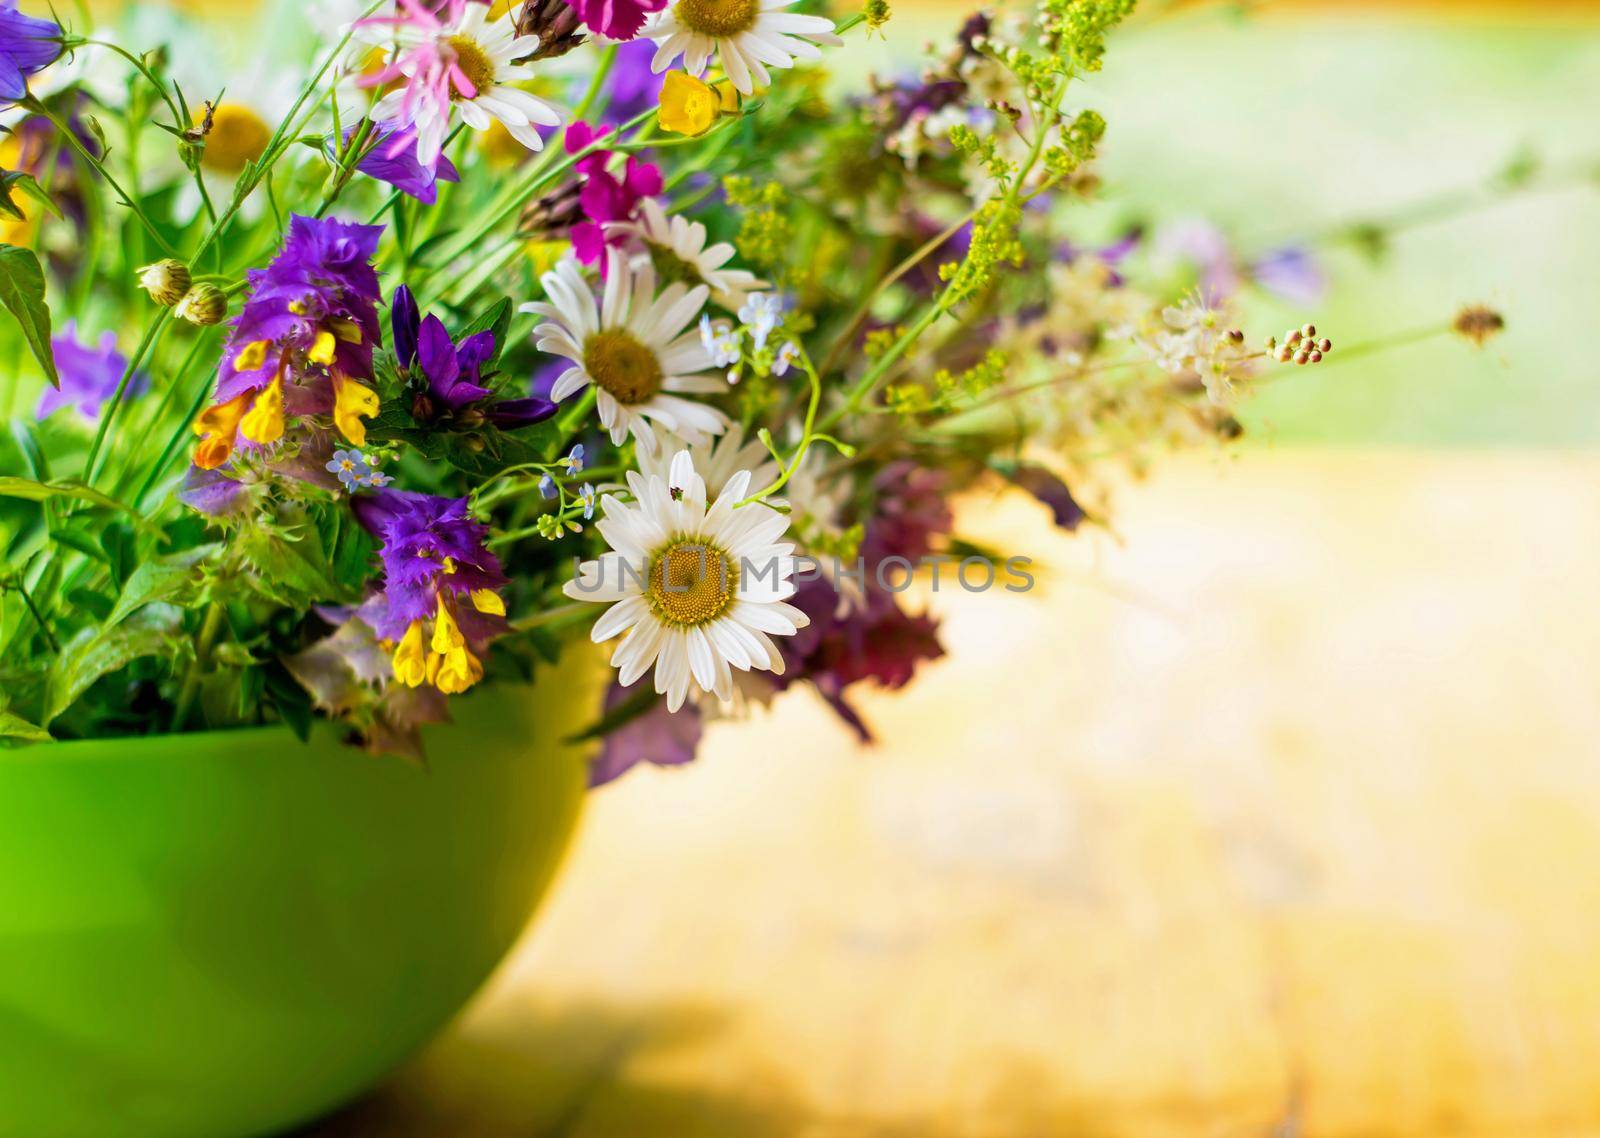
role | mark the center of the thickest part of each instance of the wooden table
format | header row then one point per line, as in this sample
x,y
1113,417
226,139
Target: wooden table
x,y
1282,818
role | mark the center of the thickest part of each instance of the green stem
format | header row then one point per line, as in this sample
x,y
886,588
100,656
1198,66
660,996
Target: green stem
x,y
553,616
276,144
1050,115
806,438
99,167
155,472
157,324
38,617
209,627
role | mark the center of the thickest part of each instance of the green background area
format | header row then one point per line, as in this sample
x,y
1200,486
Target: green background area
x,y
1283,127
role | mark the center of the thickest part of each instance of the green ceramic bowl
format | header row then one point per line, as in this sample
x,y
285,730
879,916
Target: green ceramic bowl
x,y
222,935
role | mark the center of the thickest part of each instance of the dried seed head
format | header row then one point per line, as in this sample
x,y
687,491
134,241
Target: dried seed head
x,y
555,23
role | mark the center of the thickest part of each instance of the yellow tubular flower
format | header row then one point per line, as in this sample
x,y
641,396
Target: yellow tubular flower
x,y
263,423
322,348
688,105
410,658
352,402
489,601
457,672
446,633
216,426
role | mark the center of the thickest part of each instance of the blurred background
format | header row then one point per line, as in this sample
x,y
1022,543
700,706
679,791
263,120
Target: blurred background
x,y
1276,809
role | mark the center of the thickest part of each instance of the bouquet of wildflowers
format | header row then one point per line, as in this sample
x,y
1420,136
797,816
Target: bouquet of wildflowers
x,y
499,324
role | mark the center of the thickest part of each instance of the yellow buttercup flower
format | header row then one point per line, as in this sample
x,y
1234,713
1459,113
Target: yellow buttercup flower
x,y
352,402
687,105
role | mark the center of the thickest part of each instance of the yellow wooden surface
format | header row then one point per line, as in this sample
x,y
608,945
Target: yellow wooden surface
x,y
1281,818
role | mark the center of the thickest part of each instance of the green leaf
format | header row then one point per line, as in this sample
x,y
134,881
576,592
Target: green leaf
x,y
18,180
16,727
289,570
497,319
13,487
22,294
156,581
97,652
79,540
27,437
96,604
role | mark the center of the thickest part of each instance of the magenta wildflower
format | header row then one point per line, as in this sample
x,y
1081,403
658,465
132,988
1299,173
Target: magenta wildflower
x,y
606,198
616,19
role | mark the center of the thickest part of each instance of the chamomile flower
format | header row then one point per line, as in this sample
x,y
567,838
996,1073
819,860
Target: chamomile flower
x,y
631,344
450,63
717,460
678,249
747,36
698,587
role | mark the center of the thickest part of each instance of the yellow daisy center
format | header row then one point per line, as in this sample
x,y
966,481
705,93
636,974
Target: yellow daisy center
x,y
475,64
238,135
691,583
716,18
621,365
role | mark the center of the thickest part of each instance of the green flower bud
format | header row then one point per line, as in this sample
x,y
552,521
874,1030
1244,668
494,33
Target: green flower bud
x,y
203,304
166,281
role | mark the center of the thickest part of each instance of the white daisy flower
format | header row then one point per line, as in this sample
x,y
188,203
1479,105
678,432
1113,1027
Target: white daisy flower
x,y
747,36
633,346
716,460
435,58
698,589
677,247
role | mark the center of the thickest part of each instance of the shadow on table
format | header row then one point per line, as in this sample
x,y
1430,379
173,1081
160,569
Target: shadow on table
x,y
603,1071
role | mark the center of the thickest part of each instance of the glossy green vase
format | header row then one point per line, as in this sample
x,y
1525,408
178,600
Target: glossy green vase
x,y
223,935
